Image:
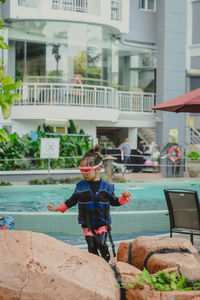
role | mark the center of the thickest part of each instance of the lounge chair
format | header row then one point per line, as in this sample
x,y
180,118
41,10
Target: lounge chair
x,y
184,211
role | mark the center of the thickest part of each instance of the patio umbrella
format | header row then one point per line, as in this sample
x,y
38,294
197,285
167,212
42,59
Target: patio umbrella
x,y
189,102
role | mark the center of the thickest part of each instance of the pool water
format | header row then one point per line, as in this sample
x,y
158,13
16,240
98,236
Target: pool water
x,y
145,196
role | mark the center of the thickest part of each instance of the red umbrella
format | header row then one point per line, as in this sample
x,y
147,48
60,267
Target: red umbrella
x,y
189,102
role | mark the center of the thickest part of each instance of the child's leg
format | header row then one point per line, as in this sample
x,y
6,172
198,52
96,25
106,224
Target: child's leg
x,y
92,244
102,246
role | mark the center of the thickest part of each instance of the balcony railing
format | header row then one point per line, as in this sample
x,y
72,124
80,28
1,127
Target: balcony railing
x,y
71,5
116,10
86,96
28,3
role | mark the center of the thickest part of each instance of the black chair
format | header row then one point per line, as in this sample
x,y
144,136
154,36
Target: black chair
x,y
184,211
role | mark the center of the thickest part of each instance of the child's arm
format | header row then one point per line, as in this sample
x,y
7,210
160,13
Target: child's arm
x,y
123,199
62,207
72,201
51,207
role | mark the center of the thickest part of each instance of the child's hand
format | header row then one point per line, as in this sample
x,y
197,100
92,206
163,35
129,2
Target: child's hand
x,y
51,207
126,193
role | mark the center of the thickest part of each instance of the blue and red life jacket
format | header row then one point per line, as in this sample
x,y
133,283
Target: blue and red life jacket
x,y
94,210
7,223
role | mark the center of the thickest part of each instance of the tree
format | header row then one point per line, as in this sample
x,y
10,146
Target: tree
x,y
7,85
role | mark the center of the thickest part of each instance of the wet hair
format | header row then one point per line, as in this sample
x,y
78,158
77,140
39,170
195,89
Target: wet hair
x,y
93,157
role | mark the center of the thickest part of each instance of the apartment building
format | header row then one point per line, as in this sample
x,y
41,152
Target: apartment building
x,y
193,56
101,63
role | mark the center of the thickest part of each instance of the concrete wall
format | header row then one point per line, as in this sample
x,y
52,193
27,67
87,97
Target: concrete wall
x,y
142,26
171,42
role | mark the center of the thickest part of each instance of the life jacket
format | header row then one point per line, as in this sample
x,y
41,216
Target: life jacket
x,y
94,210
174,154
7,223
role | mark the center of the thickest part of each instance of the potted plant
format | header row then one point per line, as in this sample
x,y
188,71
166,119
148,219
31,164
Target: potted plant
x,y
193,163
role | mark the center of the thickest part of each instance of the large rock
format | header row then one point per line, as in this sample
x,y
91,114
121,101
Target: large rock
x,y
35,266
143,246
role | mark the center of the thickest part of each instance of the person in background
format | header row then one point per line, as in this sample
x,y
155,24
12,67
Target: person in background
x,y
94,197
141,151
126,148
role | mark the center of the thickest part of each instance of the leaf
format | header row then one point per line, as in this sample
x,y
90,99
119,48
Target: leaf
x,y
6,110
13,86
141,282
17,96
3,46
7,80
146,276
2,74
3,136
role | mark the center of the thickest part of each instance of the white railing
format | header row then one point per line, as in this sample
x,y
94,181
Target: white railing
x,y
116,10
71,5
28,3
85,95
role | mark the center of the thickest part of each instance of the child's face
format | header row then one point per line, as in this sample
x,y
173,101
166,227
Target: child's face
x,y
89,173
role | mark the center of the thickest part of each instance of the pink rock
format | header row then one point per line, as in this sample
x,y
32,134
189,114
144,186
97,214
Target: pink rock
x,y
35,266
142,246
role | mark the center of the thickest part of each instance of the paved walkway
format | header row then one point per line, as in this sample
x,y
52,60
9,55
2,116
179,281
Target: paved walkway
x,y
154,177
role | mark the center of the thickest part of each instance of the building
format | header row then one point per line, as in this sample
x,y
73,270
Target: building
x,y
101,63
193,65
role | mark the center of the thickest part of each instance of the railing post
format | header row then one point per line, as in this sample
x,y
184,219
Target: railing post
x,y
51,93
81,95
105,98
67,98
95,96
35,94
142,102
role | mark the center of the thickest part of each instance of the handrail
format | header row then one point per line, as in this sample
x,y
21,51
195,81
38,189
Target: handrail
x,y
85,95
194,135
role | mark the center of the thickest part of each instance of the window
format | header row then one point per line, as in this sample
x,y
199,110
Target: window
x,y
116,10
28,3
147,4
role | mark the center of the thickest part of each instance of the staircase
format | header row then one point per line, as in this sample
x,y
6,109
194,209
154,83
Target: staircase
x,y
194,135
147,134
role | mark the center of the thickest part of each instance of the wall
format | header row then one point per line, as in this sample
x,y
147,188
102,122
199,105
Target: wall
x,y
142,24
171,37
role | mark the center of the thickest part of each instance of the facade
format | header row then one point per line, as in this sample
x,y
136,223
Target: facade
x,y
79,60
193,54
101,63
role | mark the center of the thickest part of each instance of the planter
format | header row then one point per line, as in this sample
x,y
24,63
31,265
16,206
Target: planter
x,y
193,167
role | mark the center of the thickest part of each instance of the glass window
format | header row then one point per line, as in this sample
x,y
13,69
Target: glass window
x,y
151,4
142,4
147,4
19,56
35,59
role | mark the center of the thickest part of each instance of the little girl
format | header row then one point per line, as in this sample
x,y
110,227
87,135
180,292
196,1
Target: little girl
x,y
94,197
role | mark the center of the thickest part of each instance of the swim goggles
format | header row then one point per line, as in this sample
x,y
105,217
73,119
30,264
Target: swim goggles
x,y
87,170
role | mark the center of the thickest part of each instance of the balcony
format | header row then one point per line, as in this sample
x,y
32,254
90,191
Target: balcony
x,y
71,5
28,3
113,13
38,94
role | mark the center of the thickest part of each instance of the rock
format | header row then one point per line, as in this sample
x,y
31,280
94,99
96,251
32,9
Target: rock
x,y
143,246
35,266
128,274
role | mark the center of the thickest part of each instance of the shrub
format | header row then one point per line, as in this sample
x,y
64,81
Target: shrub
x,y
193,155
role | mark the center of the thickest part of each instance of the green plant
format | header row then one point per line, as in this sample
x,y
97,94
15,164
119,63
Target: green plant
x,y
115,178
163,281
7,97
51,180
4,183
193,155
74,146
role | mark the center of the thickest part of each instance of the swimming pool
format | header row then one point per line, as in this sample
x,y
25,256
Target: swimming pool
x,y
145,196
